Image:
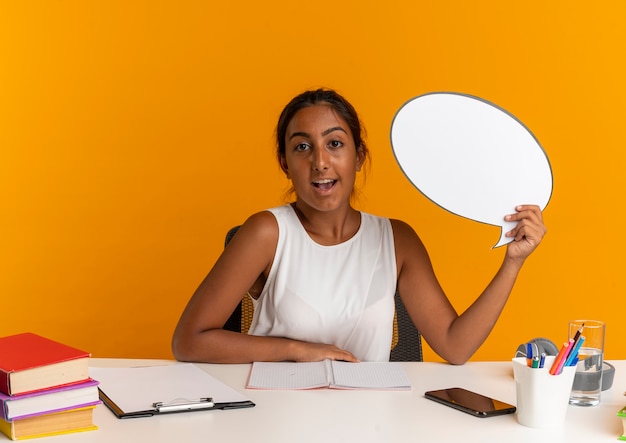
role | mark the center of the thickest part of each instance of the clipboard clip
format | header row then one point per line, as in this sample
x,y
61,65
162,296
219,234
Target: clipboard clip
x,y
181,405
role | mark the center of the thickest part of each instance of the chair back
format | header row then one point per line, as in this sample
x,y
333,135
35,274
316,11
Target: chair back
x,y
406,343
409,340
241,318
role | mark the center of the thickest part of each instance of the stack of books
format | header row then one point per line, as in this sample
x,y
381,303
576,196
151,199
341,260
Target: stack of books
x,y
45,388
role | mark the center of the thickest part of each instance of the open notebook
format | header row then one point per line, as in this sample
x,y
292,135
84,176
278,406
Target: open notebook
x,y
328,374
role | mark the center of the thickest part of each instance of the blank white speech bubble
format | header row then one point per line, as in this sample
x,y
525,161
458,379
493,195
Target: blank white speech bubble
x,y
470,157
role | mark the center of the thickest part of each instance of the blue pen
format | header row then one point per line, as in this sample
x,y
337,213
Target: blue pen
x,y
574,353
542,360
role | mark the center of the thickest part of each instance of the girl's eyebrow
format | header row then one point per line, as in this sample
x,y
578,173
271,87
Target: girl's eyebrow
x,y
336,128
299,134
325,133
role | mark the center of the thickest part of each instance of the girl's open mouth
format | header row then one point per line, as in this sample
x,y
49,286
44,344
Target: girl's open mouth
x,y
324,184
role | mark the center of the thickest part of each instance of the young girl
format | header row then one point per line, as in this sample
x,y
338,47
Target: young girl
x,y
323,275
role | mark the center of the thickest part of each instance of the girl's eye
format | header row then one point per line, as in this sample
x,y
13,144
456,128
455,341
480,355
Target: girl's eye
x,y
335,144
301,147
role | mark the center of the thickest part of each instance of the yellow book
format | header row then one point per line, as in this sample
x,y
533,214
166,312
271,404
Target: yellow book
x,y
65,422
622,414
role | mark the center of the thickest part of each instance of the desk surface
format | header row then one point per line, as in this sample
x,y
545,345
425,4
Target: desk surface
x,y
328,415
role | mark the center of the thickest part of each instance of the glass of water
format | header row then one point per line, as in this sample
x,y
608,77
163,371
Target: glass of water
x,y
588,379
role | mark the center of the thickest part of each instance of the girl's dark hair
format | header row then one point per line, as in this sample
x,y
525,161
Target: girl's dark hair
x,y
315,97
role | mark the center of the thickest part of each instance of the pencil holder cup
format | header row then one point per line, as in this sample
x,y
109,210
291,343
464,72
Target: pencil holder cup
x,y
542,398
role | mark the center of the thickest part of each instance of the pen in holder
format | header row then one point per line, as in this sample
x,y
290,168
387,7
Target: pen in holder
x,y
542,398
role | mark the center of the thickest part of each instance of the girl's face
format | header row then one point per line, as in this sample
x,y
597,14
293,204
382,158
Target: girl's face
x,y
320,158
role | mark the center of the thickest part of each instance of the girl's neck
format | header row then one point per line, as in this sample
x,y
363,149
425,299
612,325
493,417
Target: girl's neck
x,y
328,228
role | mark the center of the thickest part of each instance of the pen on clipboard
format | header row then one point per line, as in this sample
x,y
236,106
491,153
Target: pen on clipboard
x,y
184,405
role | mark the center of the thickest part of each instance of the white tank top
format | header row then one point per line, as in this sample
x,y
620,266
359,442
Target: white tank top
x,y
341,294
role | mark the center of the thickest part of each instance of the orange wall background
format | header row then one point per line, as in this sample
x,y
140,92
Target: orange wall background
x,y
134,134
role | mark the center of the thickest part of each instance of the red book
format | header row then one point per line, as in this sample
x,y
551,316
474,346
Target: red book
x,y
29,362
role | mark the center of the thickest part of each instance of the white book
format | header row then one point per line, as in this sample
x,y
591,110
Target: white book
x,y
328,374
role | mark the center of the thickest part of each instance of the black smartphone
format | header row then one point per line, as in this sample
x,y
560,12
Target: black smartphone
x,y
470,402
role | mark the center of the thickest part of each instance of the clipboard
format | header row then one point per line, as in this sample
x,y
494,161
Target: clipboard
x,y
154,390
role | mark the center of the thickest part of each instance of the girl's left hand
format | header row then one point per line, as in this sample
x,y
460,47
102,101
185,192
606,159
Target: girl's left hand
x,y
528,232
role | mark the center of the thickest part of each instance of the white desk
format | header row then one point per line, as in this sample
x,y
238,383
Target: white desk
x,y
359,416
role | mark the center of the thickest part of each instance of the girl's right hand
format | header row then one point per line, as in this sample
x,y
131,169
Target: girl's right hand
x,y
318,351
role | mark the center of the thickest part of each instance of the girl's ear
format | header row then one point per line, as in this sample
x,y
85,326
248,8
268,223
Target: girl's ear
x,y
360,158
283,166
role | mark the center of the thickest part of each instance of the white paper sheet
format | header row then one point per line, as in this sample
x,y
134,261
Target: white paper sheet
x,y
136,389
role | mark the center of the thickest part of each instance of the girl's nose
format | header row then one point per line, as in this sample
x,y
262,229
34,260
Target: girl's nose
x,y
320,160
